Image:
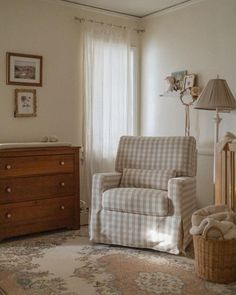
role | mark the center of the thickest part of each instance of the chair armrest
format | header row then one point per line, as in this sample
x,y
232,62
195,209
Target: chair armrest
x,y
105,181
182,192
101,183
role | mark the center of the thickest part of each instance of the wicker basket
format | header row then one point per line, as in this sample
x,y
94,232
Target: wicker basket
x,y
215,260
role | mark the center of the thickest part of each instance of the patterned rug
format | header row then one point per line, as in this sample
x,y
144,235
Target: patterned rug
x,y
65,263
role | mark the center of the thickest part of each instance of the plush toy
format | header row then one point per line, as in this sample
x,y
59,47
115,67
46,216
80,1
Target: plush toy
x,y
171,84
229,136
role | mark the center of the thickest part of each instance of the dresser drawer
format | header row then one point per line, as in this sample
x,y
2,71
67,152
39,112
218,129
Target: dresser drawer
x,y
37,187
36,165
26,212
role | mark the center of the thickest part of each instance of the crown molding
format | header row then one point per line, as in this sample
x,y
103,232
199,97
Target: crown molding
x,y
170,9
104,11
108,12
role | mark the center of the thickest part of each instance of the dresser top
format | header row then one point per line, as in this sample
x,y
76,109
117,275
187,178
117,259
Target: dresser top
x,y
13,145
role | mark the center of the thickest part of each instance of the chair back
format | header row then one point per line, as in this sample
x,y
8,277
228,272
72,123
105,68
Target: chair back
x,y
140,152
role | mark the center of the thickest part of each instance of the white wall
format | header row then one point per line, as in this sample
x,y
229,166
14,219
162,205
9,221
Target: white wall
x,y
46,28
200,38
39,28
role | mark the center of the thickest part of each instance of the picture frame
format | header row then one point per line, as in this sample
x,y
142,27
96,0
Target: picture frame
x,y
189,81
179,79
25,103
24,69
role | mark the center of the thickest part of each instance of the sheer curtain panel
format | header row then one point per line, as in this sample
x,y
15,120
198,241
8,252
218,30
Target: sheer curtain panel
x,y
109,102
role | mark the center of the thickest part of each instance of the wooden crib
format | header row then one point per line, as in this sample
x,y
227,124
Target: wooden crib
x,y
225,184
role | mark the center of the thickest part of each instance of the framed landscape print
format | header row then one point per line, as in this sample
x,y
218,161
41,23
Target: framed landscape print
x,y
25,103
24,69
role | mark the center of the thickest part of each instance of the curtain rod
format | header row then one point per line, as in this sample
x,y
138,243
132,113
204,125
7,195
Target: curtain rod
x,y
107,24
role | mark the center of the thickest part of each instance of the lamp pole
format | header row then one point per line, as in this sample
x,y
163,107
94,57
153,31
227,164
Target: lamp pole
x,y
217,121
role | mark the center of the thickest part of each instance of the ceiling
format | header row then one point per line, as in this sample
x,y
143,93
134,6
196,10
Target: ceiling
x,y
138,8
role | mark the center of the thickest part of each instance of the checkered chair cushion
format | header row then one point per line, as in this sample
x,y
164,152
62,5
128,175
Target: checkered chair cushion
x,y
143,178
136,200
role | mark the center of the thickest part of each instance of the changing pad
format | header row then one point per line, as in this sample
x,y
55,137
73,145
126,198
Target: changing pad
x,y
13,145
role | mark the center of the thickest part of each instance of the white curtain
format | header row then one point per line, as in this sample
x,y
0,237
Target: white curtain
x,y
109,104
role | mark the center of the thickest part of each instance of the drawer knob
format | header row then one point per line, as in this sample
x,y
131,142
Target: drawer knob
x,y
8,190
8,166
62,163
62,207
8,215
63,184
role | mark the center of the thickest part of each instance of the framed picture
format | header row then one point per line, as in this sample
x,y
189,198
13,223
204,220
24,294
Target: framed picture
x,y
189,81
24,69
25,103
179,79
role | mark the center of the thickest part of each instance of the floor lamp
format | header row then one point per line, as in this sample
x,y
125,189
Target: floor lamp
x,y
216,96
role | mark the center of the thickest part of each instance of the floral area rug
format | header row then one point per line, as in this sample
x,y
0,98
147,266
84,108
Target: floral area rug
x,y
66,263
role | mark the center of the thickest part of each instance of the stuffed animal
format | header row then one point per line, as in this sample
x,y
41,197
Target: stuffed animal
x,y
229,136
171,84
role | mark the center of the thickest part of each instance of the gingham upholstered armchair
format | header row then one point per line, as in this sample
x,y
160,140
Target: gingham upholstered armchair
x,y
149,200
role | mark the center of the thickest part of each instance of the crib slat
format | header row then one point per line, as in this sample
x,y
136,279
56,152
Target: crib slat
x,y
225,185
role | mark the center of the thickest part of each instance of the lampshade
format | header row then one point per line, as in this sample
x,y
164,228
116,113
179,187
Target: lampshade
x,y
216,95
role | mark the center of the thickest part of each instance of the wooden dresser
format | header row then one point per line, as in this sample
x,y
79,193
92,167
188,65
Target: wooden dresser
x,y
39,190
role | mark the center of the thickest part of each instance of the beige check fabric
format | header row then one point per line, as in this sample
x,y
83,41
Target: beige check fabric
x,y
137,217
182,192
101,183
157,179
136,200
178,153
142,231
